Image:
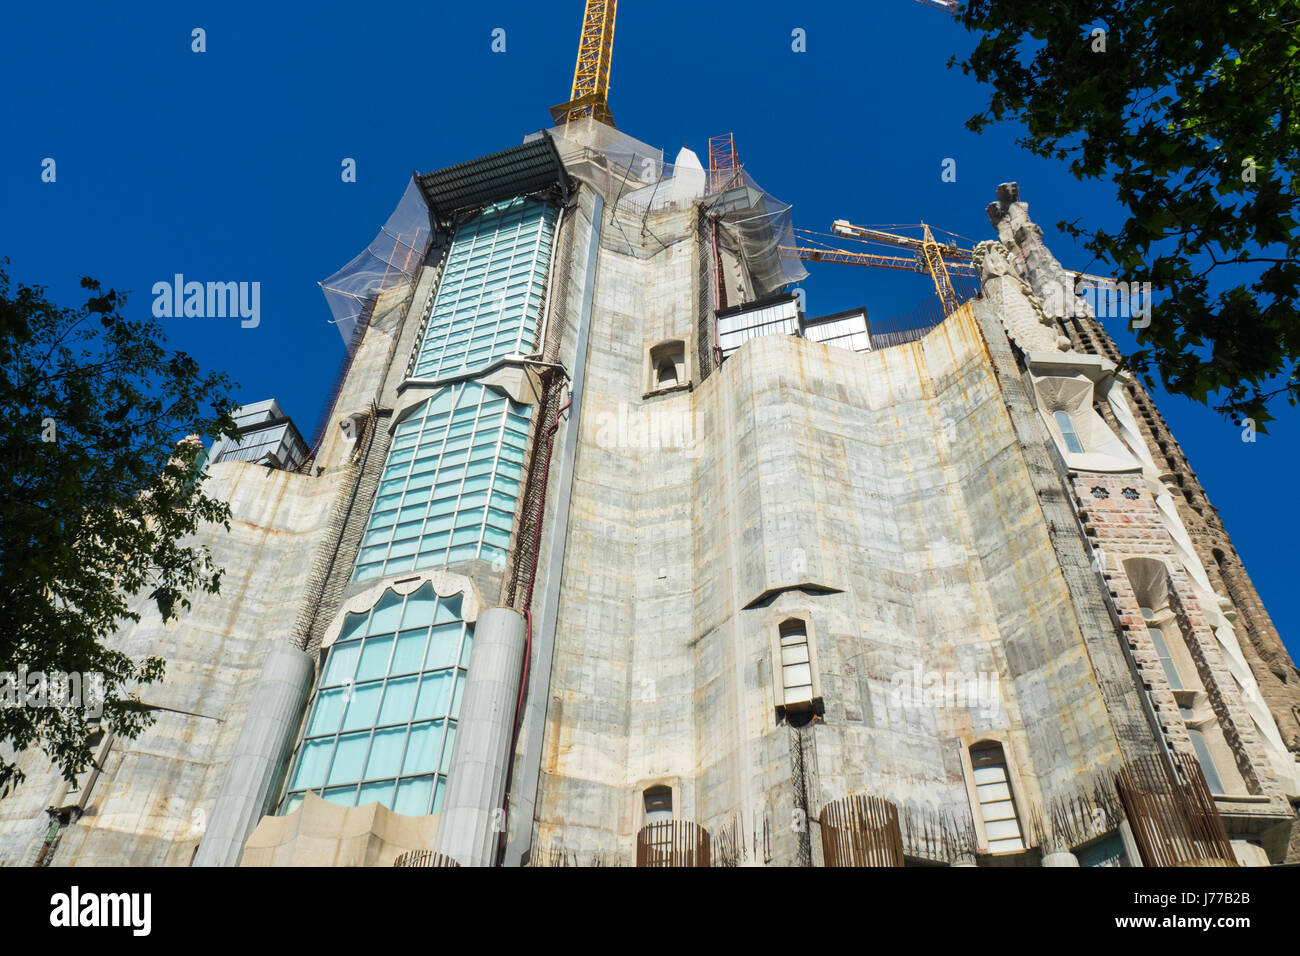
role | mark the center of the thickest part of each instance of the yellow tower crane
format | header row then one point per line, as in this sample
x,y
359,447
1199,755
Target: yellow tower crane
x,y
938,260
590,94
930,256
941,261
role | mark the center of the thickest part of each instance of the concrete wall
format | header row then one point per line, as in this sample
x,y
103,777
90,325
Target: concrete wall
x,y
320,833
883,496
903,504
151,805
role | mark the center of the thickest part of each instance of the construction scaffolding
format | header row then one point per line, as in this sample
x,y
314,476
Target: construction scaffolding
x,y
762,228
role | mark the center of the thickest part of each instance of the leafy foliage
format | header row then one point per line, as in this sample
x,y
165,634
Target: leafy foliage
x,y
1191,109
97,497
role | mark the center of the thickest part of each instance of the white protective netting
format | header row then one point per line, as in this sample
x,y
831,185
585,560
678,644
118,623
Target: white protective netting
x,y
614,162
636,183
762,225
392,260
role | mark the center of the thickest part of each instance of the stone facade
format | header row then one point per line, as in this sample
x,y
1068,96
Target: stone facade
x,y
1137,498
905,529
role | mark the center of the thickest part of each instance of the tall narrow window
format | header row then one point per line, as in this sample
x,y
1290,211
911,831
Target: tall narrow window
x,y
1162,651
1071,437
1203,756
997,804
796,668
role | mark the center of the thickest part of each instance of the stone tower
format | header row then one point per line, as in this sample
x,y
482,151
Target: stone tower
x,y
608,554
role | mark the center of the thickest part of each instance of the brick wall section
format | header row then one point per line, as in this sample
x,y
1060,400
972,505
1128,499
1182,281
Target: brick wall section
x,y
1124,527
1275,672
1238,729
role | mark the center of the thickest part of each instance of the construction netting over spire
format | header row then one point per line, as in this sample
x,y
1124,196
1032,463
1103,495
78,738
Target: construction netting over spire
x,y
763,225
636,182
392,260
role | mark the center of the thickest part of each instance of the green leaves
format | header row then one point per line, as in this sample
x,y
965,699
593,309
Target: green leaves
x,y
93,524
1181,97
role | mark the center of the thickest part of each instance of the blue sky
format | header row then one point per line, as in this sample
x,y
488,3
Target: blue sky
x,y
225,165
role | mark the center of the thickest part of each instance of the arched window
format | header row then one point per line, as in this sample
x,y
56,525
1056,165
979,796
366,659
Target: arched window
x,y
1149,579
997,804
1068,434
383,717
667,365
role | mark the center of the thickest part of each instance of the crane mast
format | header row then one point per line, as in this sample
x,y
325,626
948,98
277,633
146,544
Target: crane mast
x,y
589,97
590,93
724,162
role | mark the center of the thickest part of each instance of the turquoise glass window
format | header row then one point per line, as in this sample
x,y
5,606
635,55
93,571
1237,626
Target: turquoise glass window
x,y
383,718
489,301
449,488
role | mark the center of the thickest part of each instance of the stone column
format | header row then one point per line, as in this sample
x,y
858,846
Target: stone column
x,y
263,747
472,813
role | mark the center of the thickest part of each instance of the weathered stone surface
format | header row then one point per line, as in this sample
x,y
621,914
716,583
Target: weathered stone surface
x,y
911,507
